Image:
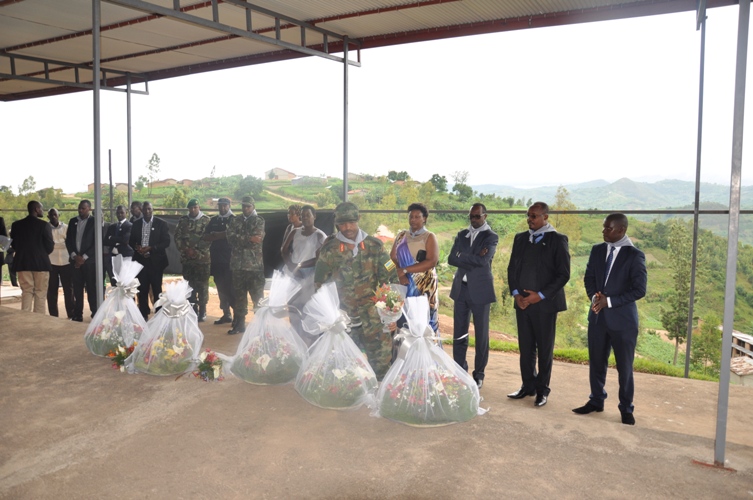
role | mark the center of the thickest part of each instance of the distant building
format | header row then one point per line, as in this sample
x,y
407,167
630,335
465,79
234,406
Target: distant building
x,y
742,344
741,371
119,186
186,182
279,174
164,183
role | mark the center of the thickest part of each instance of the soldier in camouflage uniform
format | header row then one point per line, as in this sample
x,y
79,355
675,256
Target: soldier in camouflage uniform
x,y
245,235
358,265
194,255
220,249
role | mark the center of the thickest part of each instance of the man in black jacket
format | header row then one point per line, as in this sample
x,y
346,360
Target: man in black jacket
x,y
116,241
538,271
33,243
149,239
79,241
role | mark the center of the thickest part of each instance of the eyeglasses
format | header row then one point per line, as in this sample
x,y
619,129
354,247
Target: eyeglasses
x,y
475,216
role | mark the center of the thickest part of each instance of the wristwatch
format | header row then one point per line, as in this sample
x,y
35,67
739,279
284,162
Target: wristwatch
x,y
405,271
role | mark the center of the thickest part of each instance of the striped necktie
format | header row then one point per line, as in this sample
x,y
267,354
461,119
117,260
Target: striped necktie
x,y
609,263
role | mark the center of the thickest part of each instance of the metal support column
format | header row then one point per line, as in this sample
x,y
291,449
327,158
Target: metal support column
x,y
345,119
98,250
128,139
694,258
732,232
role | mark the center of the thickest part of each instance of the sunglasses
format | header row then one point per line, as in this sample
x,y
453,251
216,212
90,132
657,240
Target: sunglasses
x,y
475,216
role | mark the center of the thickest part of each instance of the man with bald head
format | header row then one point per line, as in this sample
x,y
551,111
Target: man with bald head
x,y
32,241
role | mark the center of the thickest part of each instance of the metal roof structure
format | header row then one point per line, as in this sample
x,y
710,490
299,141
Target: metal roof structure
x,y
46,45
50,47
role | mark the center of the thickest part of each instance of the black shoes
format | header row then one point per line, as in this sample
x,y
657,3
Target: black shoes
x,y
540,400
521,393
587,408
226,318
238,327
480,383
627,418
201,318
77,318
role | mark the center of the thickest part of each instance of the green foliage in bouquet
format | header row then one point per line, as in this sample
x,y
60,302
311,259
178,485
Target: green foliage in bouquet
x,y
268,360
430,397
210,367
328,386
169,355
108,336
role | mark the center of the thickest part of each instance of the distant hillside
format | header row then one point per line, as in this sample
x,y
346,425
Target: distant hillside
x,y
625,194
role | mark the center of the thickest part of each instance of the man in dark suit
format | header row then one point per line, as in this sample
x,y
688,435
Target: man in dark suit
x,y
538,271
33,244
615,278
473,289
149,239
79,241
116,240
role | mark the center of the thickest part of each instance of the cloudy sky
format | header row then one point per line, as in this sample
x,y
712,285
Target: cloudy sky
x,y
536,107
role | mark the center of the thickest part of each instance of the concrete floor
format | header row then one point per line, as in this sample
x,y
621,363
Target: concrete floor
x,y
72,427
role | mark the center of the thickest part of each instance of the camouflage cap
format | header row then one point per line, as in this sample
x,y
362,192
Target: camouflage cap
x,y
223,201
248,200
346,212
193,202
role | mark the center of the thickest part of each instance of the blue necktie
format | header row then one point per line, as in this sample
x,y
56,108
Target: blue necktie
x,y
609,264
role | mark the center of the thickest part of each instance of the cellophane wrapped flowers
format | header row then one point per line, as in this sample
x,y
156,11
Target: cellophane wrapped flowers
x,y
118,322
425,387
172,341
336,374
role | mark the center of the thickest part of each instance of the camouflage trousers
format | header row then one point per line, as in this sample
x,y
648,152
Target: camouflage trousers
x,y
197,275
376,343
245,283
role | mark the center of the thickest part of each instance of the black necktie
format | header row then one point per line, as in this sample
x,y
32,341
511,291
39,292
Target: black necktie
x,y
609,263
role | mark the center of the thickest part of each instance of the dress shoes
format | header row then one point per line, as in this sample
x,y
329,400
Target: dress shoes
x,y
627,418
77,318
540,400
587,408
520,394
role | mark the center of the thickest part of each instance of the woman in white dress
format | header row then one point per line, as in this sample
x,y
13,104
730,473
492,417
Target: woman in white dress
x,y
299,252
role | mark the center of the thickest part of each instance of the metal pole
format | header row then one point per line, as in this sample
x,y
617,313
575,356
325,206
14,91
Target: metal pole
x,y
98,250
128,134
109,167
345,119
694,258
734,223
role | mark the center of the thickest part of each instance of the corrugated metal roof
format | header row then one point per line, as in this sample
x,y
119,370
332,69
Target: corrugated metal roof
x,y
157,46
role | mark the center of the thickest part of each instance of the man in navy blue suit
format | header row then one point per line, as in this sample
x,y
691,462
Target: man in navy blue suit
x,y
473,289
615,278
538,271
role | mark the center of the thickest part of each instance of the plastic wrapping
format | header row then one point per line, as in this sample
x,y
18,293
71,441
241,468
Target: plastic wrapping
x,y
336,374
172,341
271,352
424,387
118,322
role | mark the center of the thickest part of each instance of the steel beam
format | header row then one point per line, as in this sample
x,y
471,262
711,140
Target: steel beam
x,y
62,66
733,232
99,213
696,202
224,28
